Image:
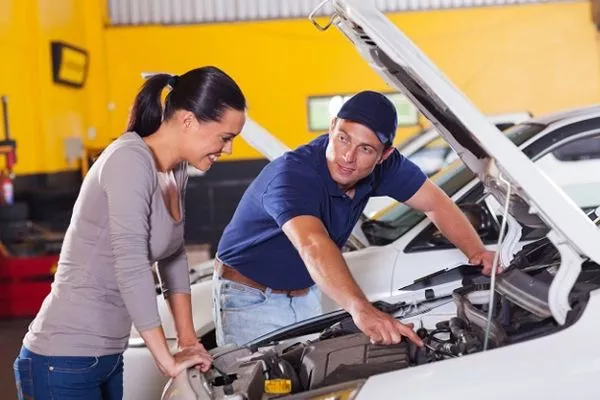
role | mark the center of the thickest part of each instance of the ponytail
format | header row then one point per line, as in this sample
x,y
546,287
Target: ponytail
x,y
147,110
205,91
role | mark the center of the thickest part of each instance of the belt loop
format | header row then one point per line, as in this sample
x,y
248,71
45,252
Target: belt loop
x,y
268,291
218,267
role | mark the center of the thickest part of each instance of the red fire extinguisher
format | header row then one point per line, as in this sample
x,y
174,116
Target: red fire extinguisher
x,y
6,184
9,151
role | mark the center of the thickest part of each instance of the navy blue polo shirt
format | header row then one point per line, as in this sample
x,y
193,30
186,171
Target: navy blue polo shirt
x,y
299,183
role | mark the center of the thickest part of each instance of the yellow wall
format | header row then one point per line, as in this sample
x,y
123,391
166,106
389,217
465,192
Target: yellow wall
x,y
16,70
539,58
42,113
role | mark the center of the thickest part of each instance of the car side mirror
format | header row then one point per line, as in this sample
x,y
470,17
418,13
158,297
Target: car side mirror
x,y
478,215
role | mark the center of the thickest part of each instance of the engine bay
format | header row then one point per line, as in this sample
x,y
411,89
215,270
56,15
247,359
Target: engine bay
x,y
341,353
324,354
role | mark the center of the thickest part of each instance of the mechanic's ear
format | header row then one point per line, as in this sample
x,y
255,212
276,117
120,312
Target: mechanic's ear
x,y
386,153
332,124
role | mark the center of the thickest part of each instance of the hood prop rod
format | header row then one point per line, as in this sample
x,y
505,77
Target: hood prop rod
x,y
495,264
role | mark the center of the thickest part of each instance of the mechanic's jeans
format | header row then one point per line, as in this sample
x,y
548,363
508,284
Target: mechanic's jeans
x,y
242,313
68,378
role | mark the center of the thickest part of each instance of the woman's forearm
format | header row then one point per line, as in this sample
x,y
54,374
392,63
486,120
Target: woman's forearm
x,y
157,344
181,310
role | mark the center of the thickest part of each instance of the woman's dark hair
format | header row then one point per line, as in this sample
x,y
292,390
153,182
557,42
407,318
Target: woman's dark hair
x,y
205,91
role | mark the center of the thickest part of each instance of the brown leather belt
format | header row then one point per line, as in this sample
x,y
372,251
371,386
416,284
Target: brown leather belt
x,y
231,274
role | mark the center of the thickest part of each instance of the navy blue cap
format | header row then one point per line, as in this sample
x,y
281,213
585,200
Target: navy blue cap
x,y
373,110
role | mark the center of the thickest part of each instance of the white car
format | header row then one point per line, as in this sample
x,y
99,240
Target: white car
x,y
431,153
401,244
404,245
528,333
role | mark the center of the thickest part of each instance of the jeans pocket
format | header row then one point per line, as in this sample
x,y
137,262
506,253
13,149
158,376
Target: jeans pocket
x,y
72,365
23,378
235,296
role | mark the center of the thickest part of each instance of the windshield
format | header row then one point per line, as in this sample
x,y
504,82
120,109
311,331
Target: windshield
x,y
393,222
413,138
430,152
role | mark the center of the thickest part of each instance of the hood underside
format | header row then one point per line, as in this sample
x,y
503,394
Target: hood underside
x,y
500,165
531,198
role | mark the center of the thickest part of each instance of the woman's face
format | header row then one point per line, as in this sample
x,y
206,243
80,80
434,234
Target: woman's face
x,y
204,142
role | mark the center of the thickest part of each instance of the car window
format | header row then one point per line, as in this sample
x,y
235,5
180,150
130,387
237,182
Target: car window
x,y
413,138
437,154
432,157
587,148
573,166
399,218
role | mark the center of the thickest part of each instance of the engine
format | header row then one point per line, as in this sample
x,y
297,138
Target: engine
x,y
342,359
340,353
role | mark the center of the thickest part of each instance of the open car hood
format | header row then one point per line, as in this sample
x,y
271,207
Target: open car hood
x,y
505,171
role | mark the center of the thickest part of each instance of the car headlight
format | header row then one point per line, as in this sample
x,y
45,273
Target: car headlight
x,y
346,391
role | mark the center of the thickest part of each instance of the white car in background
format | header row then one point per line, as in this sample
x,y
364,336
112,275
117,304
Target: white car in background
x,y
401,245
528,333
431,153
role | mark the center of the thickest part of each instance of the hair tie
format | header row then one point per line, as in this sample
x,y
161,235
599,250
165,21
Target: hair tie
x,y
173,81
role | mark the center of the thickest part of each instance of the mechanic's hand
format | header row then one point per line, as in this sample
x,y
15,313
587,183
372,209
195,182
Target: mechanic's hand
x,y
486,260
195,356
381,327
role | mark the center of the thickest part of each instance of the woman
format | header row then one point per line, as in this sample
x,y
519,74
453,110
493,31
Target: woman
x,y
128,215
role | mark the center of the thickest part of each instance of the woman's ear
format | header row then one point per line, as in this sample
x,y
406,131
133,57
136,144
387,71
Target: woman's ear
x,y
187,120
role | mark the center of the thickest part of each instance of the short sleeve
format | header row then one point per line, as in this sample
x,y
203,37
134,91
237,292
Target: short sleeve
x,y
399,178
291,194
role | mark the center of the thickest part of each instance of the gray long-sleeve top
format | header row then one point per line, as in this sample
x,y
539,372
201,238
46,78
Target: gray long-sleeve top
x,y
120,226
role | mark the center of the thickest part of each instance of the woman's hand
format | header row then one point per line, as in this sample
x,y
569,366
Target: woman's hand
x,y
196,353
188,357
199,349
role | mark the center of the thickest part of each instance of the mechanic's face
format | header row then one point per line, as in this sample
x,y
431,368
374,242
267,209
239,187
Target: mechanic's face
x,y
353,152
204,142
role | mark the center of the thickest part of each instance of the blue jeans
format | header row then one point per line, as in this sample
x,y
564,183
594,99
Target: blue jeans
x,y
242,313
70,378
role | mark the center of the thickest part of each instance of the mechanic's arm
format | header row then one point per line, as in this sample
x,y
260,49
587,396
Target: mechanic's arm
x,y
329,270
451,221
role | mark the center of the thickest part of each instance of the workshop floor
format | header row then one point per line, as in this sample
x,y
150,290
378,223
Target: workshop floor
x,y
11,335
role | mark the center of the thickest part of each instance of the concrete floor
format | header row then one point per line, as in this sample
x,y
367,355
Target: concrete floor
x,y
11,335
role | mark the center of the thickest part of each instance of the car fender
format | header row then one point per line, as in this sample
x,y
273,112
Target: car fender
x,y
201,293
